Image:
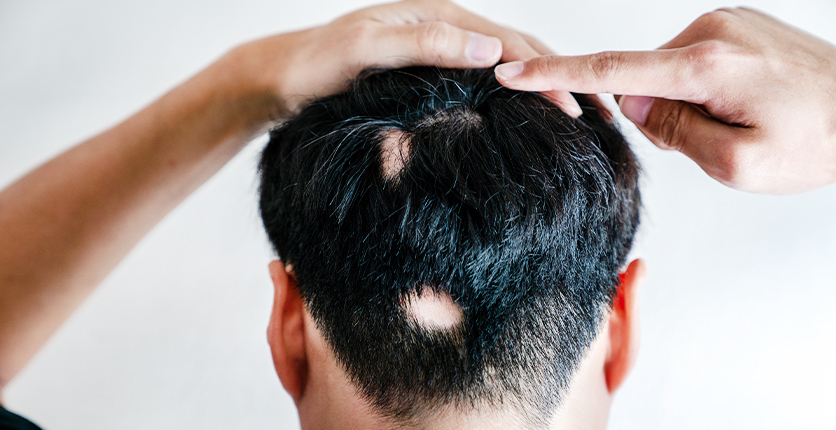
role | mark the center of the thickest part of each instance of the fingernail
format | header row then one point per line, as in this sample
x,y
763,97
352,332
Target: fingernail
x,y
481,48
635,108
509,70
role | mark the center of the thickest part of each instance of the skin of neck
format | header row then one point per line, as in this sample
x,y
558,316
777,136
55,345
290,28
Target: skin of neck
x,y
327,399
331,401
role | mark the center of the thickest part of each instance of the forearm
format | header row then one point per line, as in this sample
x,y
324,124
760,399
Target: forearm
x,y
64,226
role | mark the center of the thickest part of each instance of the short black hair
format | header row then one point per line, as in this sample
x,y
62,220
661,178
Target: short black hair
x,y
521,213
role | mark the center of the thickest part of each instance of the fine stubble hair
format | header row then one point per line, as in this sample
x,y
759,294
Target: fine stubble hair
x,y
520,213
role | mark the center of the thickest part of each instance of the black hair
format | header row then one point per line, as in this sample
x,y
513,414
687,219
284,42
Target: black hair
x,y
522,214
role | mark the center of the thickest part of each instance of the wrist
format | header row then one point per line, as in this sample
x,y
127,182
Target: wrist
x,y
240,81
264,71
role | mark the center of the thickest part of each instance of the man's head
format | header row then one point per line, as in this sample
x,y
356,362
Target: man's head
x,y
455,250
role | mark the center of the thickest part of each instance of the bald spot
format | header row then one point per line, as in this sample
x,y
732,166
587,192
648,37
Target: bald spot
x,y
394,153
431,310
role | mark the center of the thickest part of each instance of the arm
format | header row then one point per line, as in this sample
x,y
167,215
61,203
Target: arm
x,y
749,98
65,225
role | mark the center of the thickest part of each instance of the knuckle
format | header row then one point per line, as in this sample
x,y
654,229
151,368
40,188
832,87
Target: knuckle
x,y
434,40
544,66
720,23
361,32
603,66
707,54
709,59
358,37
709,19
708,50
672,127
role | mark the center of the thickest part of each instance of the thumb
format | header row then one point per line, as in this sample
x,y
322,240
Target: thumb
x,y
439,44
682,126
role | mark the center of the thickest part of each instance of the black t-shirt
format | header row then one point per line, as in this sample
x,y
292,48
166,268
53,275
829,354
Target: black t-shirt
x,y
10,421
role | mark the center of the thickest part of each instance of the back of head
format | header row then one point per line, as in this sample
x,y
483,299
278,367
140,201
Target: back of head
x,y
425,182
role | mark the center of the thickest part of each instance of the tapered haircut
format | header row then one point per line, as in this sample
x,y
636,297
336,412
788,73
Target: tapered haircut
x,y
423,181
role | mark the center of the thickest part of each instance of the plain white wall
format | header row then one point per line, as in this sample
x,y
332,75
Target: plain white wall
x,y
737,313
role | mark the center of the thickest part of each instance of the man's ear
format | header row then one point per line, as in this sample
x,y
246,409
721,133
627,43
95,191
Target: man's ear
x,y
624,326
286,332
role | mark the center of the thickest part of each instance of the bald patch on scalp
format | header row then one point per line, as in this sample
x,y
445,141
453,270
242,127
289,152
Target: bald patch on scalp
x,y
432,310
458,115
394,153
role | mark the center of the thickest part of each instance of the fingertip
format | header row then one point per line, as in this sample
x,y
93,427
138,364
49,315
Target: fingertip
x,y
636,108
566,102
483,50
508,71
572,109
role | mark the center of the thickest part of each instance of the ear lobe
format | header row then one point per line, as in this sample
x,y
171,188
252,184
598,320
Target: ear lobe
x,y
624,326
286,332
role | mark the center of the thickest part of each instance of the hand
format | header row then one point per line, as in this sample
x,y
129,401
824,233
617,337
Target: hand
x,y
750,99
299,66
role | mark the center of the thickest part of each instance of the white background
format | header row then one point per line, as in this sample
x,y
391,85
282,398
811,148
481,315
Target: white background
x,y
737,313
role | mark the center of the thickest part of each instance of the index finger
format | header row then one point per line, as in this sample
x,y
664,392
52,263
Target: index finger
x,y
665,73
